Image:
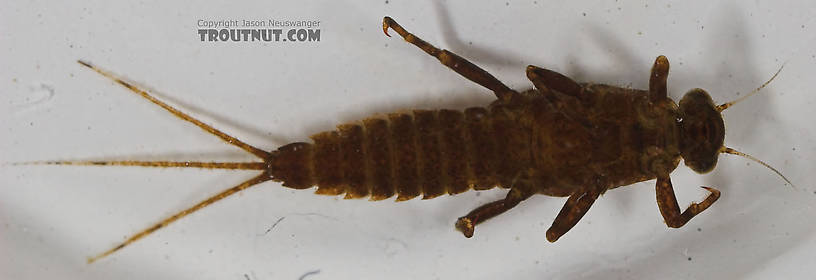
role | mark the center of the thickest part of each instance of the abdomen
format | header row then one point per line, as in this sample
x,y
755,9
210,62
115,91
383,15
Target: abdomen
x,y
427,153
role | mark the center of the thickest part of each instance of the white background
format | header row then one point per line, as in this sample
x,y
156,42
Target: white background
x,y
271,94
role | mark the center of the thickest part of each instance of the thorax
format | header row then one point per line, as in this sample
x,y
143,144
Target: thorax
x,y
609,137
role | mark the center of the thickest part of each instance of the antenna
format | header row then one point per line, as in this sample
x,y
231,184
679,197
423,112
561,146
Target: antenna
x,y
727,150
724,106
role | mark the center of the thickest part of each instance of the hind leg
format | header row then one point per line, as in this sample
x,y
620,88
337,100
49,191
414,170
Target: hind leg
x,y
467,223
453,61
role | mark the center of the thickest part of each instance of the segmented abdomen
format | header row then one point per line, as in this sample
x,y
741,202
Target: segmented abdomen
x,y
427,152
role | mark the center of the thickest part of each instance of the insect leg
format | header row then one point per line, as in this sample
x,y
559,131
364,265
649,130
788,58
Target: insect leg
x,y
544,79
669,208
482,213
577,205
453,61
657,80
226,137
263,177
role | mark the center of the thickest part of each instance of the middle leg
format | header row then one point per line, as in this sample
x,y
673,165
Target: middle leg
x,y
545,79
577,205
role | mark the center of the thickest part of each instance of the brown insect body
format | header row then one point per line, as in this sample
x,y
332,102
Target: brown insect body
x,y
563,139
527,142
